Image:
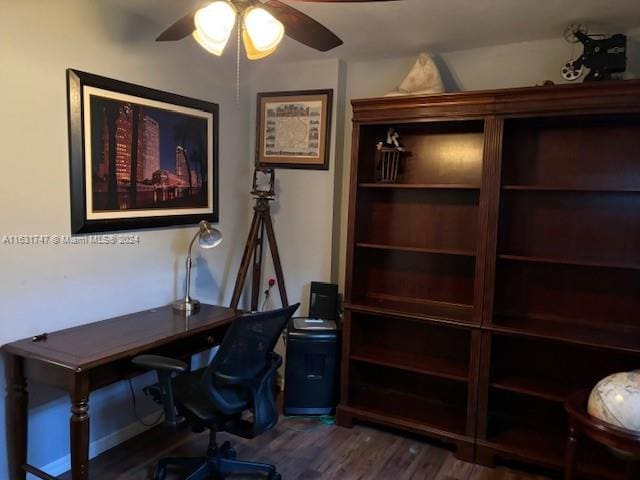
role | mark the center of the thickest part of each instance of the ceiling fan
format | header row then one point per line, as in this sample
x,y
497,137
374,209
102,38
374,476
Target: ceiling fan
x,y
261,23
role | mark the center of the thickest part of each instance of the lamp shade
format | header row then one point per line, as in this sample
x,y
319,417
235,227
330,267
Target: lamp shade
x,y
208,236
252,52
214,24
263,30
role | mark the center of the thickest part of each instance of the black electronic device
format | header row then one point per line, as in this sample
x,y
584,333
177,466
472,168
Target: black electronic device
x,y
323,301
313,355
602,56
311,373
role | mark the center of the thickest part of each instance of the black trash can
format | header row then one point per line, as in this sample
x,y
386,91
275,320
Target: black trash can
x,y
311,373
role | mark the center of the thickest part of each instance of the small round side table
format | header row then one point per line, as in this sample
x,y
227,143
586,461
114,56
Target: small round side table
x,y
583,424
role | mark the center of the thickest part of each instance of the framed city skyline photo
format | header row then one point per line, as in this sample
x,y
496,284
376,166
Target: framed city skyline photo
x,y
293,129
139,157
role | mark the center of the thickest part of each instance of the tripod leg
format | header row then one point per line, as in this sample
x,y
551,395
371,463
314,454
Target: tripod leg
x,y
257,267
276,258
249,249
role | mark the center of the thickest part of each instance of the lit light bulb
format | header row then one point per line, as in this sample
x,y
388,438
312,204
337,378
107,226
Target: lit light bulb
x,y
214,24
263,30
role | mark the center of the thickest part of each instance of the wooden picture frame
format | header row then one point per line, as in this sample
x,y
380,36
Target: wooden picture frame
x,y
169,178
293,129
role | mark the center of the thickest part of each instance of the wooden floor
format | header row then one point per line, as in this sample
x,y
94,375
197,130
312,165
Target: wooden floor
x,y
304,450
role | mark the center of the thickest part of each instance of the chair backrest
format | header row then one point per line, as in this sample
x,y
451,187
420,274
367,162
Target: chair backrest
x,y
245,349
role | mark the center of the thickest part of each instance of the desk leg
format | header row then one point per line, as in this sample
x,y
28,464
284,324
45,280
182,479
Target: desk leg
x,y
570,459
79,428
16,411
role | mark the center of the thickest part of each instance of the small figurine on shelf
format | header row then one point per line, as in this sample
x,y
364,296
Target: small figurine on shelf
x,y
393,141
387,164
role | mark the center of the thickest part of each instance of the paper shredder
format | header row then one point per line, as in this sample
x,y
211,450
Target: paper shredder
x,y
311,372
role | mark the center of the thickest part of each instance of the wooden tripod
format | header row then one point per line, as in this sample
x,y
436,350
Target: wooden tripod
x,y
261,222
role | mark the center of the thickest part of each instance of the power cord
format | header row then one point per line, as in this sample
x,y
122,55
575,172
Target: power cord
x,y
135,410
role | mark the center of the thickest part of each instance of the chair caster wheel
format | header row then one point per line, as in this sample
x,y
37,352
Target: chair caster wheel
x,y
226,451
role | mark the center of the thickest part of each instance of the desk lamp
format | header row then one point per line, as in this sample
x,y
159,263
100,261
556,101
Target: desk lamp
x,y
208,237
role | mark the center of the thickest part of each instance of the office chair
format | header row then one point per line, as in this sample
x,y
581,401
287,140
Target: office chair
x,y
239,379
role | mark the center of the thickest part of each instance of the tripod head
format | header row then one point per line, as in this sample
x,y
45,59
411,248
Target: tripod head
x,y
264,183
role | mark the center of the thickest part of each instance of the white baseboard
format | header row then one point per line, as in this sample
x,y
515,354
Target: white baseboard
x,y
63,464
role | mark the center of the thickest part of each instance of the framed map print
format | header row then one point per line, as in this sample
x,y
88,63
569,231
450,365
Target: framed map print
x,y
294,129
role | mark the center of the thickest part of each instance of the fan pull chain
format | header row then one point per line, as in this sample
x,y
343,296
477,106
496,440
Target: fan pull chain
x,y
238,64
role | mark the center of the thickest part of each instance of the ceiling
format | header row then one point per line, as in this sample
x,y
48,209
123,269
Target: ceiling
x,y
404,27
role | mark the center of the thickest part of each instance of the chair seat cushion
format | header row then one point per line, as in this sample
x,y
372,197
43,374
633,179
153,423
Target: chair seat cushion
x,y
193,401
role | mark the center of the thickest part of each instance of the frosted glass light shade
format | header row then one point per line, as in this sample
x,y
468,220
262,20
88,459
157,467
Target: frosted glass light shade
x,y
263,29
252,52
214,24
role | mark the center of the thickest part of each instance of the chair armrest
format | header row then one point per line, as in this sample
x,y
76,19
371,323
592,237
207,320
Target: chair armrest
x,y
158,362
165,367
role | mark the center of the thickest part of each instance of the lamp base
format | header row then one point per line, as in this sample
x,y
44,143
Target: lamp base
x,y
186,305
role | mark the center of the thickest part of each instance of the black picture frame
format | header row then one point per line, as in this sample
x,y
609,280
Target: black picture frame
x,y
200,202
319,160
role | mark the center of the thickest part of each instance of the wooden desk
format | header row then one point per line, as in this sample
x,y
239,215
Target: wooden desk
x,y
85,358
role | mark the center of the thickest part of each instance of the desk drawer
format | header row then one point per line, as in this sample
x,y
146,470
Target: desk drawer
x,y
181,349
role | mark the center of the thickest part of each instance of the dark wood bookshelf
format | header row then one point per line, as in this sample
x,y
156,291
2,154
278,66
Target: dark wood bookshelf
x,y
570,261
428,311
559,367
439,367
436,251
613,336
421,186
571,189
500,272
546,448
521,430
541,388
400,406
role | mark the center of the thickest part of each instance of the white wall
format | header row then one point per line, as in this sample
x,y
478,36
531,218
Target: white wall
x,y
45,288
303,210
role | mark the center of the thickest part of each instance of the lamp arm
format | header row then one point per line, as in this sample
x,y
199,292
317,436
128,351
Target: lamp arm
x,y
192,241
187,288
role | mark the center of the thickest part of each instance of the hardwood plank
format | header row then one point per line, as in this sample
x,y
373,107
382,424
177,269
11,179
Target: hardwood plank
x,y
454,469
302,449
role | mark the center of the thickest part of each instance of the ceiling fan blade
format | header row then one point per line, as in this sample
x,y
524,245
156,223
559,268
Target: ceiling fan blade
x,y
301,27
180,29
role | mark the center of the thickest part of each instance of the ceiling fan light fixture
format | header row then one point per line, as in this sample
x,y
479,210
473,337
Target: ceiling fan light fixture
x,y
264,31
214,24
251,51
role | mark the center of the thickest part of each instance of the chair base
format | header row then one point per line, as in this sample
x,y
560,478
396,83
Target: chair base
x,y
217,463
